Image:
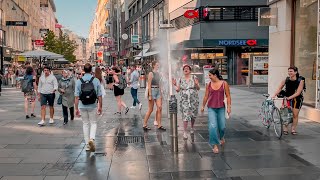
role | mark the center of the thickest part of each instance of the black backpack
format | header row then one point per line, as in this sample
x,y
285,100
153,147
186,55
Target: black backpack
x,y
26,85
122,82
88,94
300,78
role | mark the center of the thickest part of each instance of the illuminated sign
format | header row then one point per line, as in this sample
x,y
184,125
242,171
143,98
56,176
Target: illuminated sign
x,y
250,42
191,14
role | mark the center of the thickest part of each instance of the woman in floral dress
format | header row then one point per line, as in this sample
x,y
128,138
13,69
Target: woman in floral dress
x,y
188,87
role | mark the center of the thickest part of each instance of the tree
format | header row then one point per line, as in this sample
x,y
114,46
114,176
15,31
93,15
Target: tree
x,y
60,45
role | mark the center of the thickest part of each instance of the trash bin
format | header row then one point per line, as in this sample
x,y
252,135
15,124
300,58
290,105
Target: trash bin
x,y
143,80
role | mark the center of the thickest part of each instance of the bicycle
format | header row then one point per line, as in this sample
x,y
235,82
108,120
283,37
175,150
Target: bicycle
x,y
270,114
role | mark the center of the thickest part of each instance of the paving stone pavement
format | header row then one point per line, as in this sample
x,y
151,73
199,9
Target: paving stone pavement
x,y
56,152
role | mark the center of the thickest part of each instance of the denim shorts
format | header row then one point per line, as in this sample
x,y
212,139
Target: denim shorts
x,y
155,93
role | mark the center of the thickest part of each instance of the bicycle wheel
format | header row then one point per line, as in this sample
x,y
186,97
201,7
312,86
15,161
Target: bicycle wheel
x,y
277,122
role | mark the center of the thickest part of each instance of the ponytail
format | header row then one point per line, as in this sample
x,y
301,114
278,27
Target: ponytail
x,y
217,73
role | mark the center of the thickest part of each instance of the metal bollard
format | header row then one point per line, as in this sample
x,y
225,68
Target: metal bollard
x,y
173,110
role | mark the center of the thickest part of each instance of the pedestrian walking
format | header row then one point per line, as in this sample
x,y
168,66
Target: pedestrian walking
x,y
110,79
294,86
1,81
215,94
120,84
87,91
154,97
188,87
134,83
99,75
30,91
48,85
67,89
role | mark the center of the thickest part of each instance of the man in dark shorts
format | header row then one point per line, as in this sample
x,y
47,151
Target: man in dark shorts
x,y
47,87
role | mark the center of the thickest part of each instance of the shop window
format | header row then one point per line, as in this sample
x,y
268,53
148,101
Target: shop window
x,y
306,46
233,13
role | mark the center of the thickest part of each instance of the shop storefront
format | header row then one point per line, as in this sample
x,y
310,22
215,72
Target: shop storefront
x,y
294,41
305,46
240,61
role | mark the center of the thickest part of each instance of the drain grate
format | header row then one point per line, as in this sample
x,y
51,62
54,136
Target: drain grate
x,y
129,139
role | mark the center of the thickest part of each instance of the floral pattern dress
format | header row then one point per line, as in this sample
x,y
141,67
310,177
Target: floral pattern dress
x,y
189,99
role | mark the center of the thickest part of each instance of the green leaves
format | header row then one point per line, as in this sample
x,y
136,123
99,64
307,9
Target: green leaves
x,y
61,45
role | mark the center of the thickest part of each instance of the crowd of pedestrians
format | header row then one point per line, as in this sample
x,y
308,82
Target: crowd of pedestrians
x,y
81,91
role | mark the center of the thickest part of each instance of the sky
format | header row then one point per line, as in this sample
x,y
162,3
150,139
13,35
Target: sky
x,y
76,15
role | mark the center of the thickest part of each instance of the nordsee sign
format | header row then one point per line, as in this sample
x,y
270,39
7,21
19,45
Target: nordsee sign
x,y
251,42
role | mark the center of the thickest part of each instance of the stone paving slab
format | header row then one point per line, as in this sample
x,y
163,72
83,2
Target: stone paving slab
x,y
57,151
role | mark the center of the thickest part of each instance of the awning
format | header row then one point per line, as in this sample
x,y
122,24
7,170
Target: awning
x,y
141,54
151,53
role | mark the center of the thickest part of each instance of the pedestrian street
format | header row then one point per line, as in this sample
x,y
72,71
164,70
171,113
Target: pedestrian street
x,y
124,151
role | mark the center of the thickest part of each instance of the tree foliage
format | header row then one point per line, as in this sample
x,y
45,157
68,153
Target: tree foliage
x,y
60,45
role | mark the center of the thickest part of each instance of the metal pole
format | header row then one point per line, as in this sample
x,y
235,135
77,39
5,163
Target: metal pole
x,y
2,40
173,104
173,110
118,29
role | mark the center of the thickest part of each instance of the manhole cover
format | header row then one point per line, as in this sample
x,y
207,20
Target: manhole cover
x,y
129,139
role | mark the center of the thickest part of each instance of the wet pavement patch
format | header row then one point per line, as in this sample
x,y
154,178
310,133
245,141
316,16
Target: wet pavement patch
x,y
303,161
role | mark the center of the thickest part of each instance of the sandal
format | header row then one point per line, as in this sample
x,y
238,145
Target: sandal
x,y
285,132
146,128
294,133
162,128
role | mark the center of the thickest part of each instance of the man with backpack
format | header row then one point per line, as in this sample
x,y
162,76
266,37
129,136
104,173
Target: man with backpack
x,y
87,92
48,85
294,86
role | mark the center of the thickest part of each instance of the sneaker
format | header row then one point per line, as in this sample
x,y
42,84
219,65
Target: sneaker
x,y
41,123
51,121
32,115
155,123
27,116
185,136
192,131
140,106
127,110
87,147
132,107
92,146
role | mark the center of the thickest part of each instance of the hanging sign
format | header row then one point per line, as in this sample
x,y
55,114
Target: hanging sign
x,y
191,14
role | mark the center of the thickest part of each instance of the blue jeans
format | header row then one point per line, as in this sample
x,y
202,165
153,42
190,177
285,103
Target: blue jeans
x,y
217,124
134,93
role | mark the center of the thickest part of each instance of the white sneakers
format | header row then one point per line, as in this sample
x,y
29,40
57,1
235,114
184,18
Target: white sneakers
x,y
140,106
51,121
192,131
41,123
132,107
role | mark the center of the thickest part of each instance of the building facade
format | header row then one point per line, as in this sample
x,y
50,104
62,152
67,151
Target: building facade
x,y
224,35
98,31
35,15
81,51
294,41
48,18
142,19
